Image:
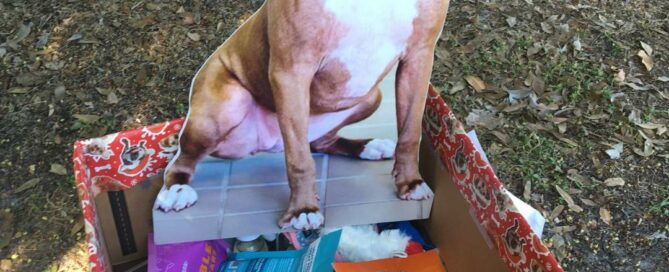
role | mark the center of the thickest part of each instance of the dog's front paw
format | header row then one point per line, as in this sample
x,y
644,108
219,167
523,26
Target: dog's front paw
x,y
305,221
420,191
302,215
378,149
177,198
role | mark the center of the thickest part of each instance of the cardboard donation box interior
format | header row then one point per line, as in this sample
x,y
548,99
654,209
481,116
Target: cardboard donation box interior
x,y
472,221
125,218
452,228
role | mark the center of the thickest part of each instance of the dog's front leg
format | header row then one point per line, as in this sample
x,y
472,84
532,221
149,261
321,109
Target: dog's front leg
x,y
290,86
412,81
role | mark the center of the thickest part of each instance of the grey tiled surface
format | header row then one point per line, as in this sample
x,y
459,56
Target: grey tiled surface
x,y
245,197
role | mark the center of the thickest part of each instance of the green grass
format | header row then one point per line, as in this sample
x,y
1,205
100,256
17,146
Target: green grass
x,y
534,157
661,207
182,109
575,77
94,129
649,114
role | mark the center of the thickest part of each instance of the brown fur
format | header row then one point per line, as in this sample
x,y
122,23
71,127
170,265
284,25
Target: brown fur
x,y
274,60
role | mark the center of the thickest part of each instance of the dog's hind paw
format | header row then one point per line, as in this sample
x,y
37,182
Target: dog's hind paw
x,y
419,192
378,149
177,198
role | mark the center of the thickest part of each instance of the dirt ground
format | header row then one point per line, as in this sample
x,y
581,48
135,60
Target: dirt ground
x,y
569,98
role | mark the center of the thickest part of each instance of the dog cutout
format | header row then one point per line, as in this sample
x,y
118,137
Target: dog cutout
x,y
292,76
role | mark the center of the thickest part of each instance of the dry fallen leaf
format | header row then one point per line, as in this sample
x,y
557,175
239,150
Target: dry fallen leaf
x,y
476,83
20,34
29,79
87,118
614,182
570,201
647,149
511,21
562,128
505,138
538,85
75,37
575,176
637,87
615,151
112,98
588,202
546,27
577,43
483,118
19,90
27,185
527,192
647,48
193,36
619,77
515,95
458,86
6,228
651,126
104,91
556,212
662,78
58,169
563,229
646,60
59,92
77,227
605,215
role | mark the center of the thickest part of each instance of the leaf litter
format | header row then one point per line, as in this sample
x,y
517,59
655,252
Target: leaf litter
x,y
551,86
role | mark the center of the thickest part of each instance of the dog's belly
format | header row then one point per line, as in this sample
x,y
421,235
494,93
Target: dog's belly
x,y
369,36
260,132
367,39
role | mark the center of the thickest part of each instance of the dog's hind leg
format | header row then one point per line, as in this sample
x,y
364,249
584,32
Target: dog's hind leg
x,y
218,104
370,149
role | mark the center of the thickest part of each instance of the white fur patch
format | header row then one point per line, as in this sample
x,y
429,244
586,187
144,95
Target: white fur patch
x,y
421,192
177,198
378,149
306,221
387,244
376,33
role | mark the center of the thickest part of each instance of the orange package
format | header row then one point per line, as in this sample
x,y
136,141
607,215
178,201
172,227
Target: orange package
x,y
428,261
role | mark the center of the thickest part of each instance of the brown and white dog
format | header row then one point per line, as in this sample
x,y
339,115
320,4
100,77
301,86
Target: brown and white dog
x,y
293,75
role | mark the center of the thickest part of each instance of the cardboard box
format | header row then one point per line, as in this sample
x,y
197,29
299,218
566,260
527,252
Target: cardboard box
x,y
125,218
473,222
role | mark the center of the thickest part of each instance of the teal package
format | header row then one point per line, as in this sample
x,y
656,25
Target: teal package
x,y
318,257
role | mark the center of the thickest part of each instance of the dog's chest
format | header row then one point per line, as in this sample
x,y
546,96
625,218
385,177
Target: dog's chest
x,y
372,34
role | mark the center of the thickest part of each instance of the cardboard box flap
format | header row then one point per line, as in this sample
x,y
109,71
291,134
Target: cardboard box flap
x,y
474,178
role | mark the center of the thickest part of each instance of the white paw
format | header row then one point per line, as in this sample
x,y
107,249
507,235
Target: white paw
x,y
378,149
306,221
177,198
421,192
